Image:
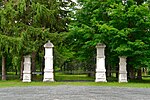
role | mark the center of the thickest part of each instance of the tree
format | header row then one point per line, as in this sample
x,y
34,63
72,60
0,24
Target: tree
x,y
7,30
131,23
29,24
124,28
84,33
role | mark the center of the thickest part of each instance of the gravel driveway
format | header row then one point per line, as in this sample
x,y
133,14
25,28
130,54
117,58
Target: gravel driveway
x,y
64,92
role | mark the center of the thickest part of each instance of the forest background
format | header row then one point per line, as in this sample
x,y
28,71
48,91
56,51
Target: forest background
x,y
75,28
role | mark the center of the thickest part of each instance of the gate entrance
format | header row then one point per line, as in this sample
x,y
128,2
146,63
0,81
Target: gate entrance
x,y
74,71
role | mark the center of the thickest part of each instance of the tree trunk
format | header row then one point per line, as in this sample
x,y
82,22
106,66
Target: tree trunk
x,y
33,61
33,65
3,68
139,74
65,66
108,71
16,71
132,73
145,71
21,69
117,72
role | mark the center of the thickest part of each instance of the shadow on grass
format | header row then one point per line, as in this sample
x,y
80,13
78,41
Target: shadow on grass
x,y
61,77
139,81
112,79
144,80
77,78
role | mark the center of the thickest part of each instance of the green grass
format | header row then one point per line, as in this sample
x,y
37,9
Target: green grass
x,y
76,80
72,77
17,83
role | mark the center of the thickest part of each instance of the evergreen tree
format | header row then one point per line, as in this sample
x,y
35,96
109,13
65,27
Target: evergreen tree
x,y
26,25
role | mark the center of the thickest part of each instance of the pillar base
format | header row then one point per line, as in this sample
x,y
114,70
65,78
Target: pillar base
x,y
100,77
99,80
48,77
48,80
26,80
26,77
123,78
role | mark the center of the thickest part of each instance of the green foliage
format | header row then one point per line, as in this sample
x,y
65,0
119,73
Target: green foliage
x,y
133,32
124,28
26,25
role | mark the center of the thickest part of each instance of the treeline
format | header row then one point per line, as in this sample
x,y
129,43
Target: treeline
x,y
75,29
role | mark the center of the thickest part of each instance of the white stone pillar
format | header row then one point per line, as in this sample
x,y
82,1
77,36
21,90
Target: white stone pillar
x,y
48,70
27,69
100,63
122,69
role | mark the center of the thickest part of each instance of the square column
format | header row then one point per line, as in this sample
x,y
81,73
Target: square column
x,y
100,63
27,69
122,69
48,70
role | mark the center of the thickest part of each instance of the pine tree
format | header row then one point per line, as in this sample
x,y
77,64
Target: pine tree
x,y
27,24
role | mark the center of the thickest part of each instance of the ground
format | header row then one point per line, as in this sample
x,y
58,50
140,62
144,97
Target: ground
x,y
67,92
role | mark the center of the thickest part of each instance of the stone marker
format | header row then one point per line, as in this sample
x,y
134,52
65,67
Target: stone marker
x,y
100,64
27,69
122,69
48,70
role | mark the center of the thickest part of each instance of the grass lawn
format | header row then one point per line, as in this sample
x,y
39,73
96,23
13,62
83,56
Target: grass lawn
x,y
72,77
17,83
76,81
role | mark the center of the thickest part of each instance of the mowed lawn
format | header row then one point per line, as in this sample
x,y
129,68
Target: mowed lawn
x,y
77,80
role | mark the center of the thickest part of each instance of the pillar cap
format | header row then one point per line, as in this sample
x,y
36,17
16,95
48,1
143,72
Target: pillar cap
x,y
100,45
122,56
27,56
49,45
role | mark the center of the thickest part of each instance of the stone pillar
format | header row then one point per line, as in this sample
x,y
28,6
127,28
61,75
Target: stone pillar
x,y
100,63
122,69
48,70
27,69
